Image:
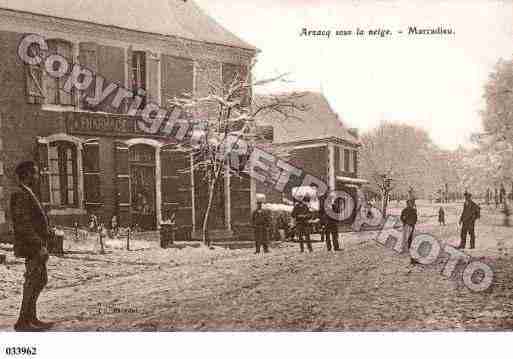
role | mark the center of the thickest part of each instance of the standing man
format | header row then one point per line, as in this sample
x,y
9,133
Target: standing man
x,y
31,235
441,216
331,225
261,224
502,194
412,197
409,219
301,215
471,212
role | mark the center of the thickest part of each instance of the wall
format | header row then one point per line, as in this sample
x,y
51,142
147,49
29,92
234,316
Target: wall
x,y
21,122
311,160
339,171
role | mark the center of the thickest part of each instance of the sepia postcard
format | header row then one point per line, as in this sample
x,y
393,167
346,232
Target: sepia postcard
x,y
223,168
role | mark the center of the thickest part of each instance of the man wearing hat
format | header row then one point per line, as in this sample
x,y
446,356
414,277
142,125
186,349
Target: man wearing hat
x,y
409,217
261,225
471,212
301,214
31,234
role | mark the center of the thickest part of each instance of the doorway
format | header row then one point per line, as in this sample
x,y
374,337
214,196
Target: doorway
x,y
143,187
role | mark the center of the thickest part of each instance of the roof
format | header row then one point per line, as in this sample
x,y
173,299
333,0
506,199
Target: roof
x,y
180,18
316,122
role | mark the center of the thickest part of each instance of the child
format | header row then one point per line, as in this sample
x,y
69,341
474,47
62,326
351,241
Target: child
x,y
441,216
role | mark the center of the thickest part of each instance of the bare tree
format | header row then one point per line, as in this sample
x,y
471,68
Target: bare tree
x,y
222,143
404,154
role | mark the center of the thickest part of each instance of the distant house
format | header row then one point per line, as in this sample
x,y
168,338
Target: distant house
x,y
318,142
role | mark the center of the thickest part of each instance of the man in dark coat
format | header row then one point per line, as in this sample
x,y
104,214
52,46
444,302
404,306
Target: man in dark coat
x,y
441,216
502,194
301,214
330,224
31,235
409,219
261,226
471,212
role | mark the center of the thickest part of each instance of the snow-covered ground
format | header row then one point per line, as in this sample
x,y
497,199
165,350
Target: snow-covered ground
x,y
364,287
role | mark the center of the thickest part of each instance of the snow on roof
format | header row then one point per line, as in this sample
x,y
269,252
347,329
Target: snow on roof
x,y
317,122
302,191
184,19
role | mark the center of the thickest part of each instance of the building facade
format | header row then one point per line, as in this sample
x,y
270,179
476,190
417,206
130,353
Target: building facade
x,y
316,141
92,156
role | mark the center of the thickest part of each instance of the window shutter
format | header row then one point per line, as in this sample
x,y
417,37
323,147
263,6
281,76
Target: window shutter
x,y
129,58
92,176
340,159
176,187
34,84
153,75
169,182
355,161
177,77
346,160
88,57
129,74
44,173
65,49
123,200
240,187
245,92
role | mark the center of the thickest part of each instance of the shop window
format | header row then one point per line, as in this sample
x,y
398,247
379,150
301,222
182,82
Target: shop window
x,y
62,161
53,87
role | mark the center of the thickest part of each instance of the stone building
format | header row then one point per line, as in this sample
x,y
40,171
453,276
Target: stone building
x,y
93,157
315,140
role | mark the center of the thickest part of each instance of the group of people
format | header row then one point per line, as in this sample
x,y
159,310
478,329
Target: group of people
x,y
32,234
499,196
304,219
470,214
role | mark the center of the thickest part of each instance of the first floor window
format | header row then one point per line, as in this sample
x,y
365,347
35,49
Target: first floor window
x,y
138,72
62,158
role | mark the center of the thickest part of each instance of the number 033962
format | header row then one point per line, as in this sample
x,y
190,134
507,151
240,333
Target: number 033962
x,y
19,351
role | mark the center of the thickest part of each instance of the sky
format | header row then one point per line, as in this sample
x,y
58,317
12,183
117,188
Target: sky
x,y
434,82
